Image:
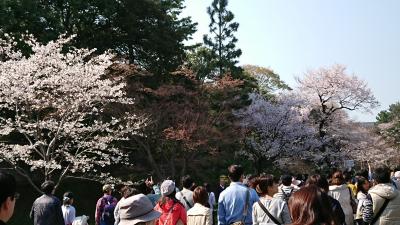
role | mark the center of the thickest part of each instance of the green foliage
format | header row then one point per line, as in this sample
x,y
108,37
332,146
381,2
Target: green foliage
x,y
221,40
147,32
389,115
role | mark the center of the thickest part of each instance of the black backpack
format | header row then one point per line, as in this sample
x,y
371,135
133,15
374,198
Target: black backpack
x,y
287,196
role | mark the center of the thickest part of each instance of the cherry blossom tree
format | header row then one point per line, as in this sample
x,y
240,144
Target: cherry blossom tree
x,y
276,129
56,115
329,90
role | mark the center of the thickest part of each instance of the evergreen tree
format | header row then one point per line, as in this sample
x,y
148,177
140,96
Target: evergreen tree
x,y
146,32
222,41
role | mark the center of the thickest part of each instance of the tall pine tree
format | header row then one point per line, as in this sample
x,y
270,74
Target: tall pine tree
x,y
221,40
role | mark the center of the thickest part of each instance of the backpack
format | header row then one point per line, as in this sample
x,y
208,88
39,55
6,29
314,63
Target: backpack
x,y
287,196
108,210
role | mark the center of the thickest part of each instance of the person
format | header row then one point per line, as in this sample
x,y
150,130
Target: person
x,y
310,206
267,187
385,198
8,196
67,209
105,207
211,196
364,208
396,179
221,187
341,192
235,202
137,209
287,188
350,182
172,211
322,183
46,210
126,192
186,195
200,214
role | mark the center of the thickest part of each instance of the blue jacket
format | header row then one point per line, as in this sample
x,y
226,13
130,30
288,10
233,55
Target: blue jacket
x,y
231,204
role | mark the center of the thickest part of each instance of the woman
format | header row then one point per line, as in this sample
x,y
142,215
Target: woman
x,y
322,183
67,209
364,208
199,214
310,206
125,192
341,192
137,210
269,210
171,209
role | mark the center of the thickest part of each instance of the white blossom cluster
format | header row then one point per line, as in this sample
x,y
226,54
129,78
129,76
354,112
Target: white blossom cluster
x,y
56,101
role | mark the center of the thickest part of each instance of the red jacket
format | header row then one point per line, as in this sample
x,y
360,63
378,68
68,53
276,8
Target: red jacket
x,y
172,217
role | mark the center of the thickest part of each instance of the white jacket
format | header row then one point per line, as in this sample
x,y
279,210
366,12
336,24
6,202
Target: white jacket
x,y
379,193
276,207
342,194
199,215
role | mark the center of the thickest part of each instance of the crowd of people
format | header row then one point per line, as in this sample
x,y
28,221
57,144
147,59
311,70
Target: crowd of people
x,y
337,199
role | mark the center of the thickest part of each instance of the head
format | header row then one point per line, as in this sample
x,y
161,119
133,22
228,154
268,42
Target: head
x,y
137,209
187,182
168,191
286,180
266,185
362,185
68,198
48,187
207,186
235,173
310,206
222,180
319,181
128,191
107,189
347,177
382,175
337,178
200,196
251,180
8,196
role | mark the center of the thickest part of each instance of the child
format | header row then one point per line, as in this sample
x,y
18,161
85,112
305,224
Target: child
x,y
67,209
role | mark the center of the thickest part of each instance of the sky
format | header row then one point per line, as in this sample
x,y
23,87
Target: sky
x,y
293,36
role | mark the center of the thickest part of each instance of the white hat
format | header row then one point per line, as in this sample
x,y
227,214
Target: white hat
x,y
167,187
136,209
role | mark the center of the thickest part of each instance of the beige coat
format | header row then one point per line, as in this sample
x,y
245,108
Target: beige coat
x,y
381,192
199,215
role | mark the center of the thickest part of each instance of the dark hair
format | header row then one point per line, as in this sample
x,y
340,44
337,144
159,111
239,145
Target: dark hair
x,y
286,179
337,178
8,186
382,175
263,182
319,181
235,172
207,186
310,206
360,184
200,195
347,176
251,180
187,181
67,198
48,187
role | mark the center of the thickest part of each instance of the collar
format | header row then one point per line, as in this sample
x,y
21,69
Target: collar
x,y
236,183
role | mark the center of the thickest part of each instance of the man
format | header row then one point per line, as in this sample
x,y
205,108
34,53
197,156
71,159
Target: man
x,y
105,207
186,195
286,189
385,198
235,203
221,187
46,210
8,196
